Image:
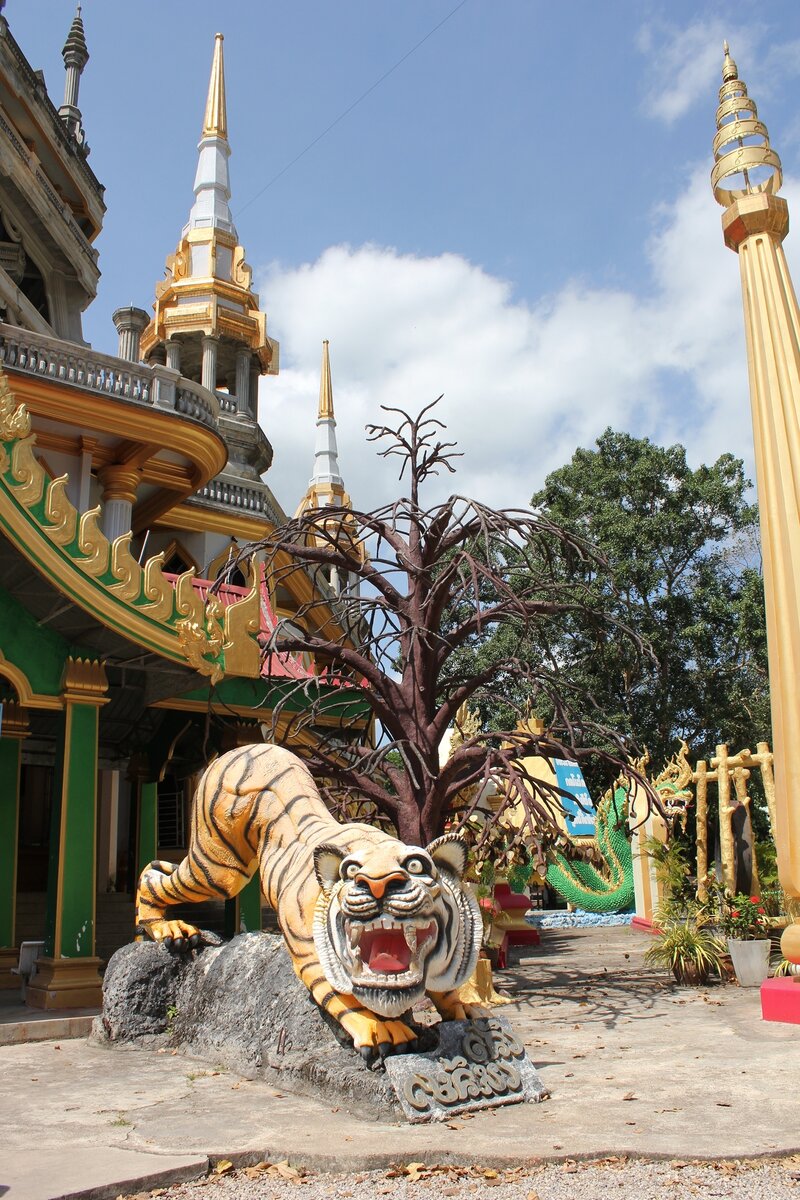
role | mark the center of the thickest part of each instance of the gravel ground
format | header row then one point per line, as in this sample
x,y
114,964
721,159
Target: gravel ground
x,y
617,1177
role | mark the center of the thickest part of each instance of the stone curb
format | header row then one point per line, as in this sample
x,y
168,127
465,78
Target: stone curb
x,y
379,1160
44,1030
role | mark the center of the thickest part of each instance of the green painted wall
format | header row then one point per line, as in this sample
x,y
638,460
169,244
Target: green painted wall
x,y
10,758
37,651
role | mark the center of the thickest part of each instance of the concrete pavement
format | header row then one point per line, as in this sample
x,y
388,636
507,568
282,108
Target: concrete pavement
x,y
635,1066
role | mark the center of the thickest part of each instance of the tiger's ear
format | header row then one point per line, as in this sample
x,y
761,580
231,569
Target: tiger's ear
x,y
327,860
450,852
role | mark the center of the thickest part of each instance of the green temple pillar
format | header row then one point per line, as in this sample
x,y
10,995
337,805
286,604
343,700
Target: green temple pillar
x,y
243,913
147,832
13,731
68,976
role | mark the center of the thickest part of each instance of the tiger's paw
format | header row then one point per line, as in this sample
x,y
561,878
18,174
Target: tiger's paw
x,y
175,935
475,1011
375,1038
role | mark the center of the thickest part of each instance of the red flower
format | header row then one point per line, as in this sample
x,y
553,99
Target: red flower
x,y
755,899
734,913
760,909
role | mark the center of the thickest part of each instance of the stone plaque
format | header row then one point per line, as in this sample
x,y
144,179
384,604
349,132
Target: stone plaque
x,y
477,1064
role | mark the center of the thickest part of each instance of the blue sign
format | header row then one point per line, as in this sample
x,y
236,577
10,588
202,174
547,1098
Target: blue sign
x,y
579,811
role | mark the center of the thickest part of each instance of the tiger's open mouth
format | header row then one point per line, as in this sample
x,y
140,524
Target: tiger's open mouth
x,y
389,952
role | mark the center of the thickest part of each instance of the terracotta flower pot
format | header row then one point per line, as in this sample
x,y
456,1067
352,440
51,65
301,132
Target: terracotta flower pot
x,y
689,974
750,960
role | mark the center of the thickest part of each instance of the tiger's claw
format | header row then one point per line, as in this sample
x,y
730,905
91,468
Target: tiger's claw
x,y
174,935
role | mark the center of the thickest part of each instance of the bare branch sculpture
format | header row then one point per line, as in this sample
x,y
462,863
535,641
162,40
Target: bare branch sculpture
x,y
418,586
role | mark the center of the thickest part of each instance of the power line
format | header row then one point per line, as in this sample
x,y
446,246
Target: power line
x,y
350,107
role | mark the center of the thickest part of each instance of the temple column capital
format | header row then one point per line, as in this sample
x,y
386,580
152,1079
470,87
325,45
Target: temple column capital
x,y
753,214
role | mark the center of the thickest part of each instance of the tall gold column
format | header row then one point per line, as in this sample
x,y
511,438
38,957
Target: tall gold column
x,y
746,177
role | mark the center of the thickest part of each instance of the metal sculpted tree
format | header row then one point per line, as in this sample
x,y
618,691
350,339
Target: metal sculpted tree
x,y
416,587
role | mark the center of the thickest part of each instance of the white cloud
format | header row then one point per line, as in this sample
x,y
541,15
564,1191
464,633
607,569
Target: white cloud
x,y
524,385
686,62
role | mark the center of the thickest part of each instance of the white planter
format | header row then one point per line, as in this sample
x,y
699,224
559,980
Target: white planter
x,y
750,960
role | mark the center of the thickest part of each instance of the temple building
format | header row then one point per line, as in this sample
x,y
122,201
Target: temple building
x,y
131,630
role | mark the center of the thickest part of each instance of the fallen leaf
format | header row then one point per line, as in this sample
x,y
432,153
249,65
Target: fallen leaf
x,y
223,1166
629,1096
284,1170
723,1104
532,1196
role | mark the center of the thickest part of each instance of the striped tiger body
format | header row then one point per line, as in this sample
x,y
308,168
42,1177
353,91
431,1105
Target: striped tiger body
x,y
370,923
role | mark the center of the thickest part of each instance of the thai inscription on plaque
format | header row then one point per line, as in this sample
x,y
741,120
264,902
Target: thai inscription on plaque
x,y
478,1064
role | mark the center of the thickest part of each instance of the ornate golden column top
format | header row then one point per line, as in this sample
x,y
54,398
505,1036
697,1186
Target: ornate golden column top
x,y
745,170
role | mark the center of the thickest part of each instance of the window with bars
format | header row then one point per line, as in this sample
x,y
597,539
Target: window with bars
x,y
171,814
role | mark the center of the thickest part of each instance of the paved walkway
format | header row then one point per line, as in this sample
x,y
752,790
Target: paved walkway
x,y
635,1066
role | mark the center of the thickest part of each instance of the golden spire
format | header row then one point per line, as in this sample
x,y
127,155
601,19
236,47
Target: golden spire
x,y
215,122
325,387
729,68
746,169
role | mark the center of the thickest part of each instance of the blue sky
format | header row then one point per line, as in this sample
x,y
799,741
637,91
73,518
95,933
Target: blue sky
x,y
518,216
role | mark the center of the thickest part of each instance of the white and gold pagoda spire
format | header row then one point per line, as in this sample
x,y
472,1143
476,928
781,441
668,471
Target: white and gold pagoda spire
x,y
207,321
746,178
326,487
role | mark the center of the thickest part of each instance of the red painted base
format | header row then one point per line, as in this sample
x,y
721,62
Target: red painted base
x,y
780,1000
523,937
643,924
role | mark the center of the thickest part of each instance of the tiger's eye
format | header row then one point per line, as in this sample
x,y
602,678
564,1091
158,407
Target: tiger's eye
x,y
349,870
417,866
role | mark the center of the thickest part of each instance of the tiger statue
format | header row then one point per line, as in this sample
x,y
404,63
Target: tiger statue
x,y
370,923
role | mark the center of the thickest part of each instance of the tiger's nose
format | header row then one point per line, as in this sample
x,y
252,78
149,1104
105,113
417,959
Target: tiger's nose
x,y
379,886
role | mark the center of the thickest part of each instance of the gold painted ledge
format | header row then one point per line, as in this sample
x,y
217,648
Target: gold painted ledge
x,y
104,579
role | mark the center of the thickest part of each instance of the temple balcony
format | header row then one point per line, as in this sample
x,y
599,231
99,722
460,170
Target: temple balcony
x,y
141,437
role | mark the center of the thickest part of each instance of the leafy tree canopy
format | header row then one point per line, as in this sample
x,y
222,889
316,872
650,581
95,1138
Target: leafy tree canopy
x,y
682,550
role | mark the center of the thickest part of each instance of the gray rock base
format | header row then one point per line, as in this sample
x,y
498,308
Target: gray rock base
x,y
240,1004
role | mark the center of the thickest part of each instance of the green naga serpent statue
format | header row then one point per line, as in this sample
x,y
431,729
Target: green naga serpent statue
x,y
585,886
612,890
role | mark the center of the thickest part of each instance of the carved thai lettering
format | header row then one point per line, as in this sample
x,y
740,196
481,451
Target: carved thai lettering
x,y
452,1081
489,1041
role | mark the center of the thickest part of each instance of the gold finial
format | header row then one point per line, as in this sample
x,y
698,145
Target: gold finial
x,y
215,121
325,387
744,169
729,69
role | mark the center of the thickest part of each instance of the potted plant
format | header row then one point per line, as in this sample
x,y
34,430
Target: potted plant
x,y
746,925
689,949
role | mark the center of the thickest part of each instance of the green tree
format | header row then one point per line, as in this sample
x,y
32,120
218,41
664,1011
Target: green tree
x,y
682,548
